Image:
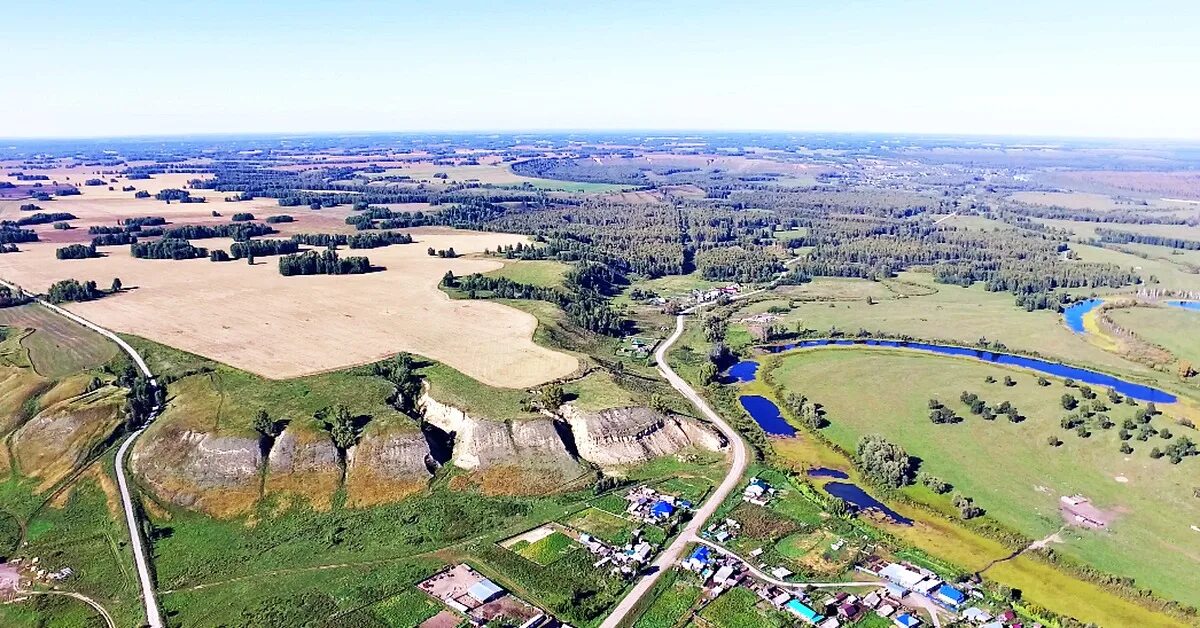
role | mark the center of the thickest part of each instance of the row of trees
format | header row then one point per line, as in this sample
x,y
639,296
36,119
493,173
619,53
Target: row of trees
x,y
582,304
14,235
260,248
114,239
11,298
76,251
238,231
40,218
1114,236
71,290
323,263
167,248
181,196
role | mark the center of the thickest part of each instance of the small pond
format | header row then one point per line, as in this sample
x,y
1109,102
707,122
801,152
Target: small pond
x,y
823,472
859,498
767,415
742,372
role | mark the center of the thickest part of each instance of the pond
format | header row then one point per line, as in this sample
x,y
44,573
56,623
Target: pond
x,y
767,415
860,499
742,372
1094,378
1073,316
1187,305
824,472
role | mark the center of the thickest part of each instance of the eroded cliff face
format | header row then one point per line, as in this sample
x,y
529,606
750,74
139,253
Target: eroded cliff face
x,y
506,457
621,436
387,464
304,463
213,472
226,474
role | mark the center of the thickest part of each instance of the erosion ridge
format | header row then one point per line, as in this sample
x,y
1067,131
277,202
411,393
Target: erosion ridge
x,y
227,473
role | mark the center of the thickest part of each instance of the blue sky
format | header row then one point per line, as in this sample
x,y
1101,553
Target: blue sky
x,y
1064,68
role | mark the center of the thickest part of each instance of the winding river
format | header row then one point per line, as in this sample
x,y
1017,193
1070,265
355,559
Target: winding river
x,y
767,414
1094,378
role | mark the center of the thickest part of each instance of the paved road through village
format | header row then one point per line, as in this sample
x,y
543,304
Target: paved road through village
x,y
674,551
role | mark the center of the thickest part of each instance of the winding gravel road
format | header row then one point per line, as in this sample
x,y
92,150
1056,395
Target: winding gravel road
x,y
149,598
674,551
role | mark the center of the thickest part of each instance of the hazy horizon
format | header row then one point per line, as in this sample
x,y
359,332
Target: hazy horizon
x,y
1087,70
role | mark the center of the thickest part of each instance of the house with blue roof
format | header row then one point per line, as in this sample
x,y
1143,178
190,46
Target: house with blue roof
x,y
904,620
949,596
698,560
662,509
799,609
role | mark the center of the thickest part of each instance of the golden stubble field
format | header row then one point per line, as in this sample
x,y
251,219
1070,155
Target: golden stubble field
x,y
253,318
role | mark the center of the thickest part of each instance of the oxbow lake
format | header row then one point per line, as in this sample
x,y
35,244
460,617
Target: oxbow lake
x,y
855,496
767,415
1073,316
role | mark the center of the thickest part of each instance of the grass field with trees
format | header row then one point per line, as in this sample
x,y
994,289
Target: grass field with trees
x,y
1025,497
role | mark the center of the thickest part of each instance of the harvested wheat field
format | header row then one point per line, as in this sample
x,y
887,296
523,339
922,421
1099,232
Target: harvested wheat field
x,y
255,319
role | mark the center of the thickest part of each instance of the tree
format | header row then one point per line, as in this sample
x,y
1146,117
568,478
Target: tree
x,y
1126,449
659,405
708,373
116,284
1069,402
714,329
552,397
265,425
966,507
340,424
935,484
883,462
1042,381
1009,381
1053,441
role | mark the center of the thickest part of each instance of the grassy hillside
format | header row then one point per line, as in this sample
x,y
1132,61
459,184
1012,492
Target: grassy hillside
x,y
1175,329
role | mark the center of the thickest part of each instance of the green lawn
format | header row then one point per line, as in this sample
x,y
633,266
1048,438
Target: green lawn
x,y
547,550
1145,537
603,525
42,611
676,596
1175,329
739,607
372,596
546,273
